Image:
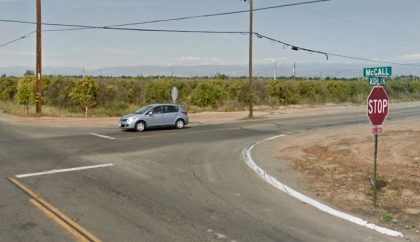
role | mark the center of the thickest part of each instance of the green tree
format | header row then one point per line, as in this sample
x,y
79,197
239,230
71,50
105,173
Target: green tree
x,y
8,88
26,90
207,93
158,91
29,73
84,93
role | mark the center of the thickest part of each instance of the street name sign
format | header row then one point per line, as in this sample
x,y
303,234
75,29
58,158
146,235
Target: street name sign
x,y
377,81
378,105
377,71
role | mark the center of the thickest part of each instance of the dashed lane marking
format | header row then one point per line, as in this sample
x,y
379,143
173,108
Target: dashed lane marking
x,y
63,170
101,136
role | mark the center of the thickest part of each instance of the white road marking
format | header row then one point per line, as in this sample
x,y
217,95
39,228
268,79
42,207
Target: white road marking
x,y
63,170
274,182
102,136
220,236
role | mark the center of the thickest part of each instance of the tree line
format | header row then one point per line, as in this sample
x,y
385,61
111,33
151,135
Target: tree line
x,y
117,95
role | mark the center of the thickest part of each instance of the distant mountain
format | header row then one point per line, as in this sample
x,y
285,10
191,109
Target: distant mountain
x,y
302,70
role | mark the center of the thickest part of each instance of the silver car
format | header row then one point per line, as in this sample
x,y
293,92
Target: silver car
x,y
155,115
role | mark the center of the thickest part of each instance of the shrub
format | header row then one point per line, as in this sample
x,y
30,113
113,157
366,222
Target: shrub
x,y
56,90
312,91
8,88
157,91
207,93
285,91
338,91
26,90
84,93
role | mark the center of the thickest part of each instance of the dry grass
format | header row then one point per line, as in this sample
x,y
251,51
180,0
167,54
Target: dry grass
x,y
340,172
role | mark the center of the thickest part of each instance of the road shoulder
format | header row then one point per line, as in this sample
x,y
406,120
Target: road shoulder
x,y
322,165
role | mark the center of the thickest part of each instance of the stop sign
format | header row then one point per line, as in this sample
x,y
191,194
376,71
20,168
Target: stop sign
x,y
378,105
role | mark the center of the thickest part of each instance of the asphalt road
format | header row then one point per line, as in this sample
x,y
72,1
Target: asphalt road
x,y
165,185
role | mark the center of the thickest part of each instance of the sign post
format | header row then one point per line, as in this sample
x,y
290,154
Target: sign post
x,y
378,106
174,94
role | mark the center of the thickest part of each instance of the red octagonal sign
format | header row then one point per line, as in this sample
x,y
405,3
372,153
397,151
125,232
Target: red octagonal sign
x,y
378,105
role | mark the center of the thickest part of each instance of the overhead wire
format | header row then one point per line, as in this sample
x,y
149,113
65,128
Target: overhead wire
x,y
17,39
32,32
219,14
327,54
71,27
168,19
83,27
258,35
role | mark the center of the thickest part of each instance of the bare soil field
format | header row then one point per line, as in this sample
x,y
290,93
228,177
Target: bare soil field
x,y
336,166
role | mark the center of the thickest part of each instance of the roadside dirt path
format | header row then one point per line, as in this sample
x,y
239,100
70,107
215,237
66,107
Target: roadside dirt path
x,y
200,118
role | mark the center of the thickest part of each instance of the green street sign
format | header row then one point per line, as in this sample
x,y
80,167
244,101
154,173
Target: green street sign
x,y
377,71
377,81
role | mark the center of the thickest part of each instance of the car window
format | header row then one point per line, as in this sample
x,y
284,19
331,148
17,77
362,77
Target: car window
x,y
143,109
158,109
171,109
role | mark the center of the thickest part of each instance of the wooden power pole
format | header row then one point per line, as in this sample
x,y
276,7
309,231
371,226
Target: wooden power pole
x,y
251,84
38,92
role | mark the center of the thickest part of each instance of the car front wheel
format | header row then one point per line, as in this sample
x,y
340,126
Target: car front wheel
x,y
180,124
140,126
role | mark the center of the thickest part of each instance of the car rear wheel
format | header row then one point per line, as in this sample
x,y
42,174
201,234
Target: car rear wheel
x,y
180,124
140,126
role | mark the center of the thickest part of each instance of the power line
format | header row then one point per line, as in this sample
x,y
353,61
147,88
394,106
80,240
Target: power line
x,y
327,54
78,27
32,32
168,19
219,14
71,27
83,27
17,39
261,36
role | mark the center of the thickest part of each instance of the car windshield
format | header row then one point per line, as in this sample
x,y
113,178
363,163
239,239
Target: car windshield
x,y
143,109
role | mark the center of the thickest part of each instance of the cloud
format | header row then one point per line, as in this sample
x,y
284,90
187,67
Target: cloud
x,y
194,60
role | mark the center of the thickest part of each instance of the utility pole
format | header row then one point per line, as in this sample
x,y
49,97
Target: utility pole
x,y
251,84
275,70
38,92
294,70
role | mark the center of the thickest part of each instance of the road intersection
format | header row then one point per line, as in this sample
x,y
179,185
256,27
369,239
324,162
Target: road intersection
x,y
163,185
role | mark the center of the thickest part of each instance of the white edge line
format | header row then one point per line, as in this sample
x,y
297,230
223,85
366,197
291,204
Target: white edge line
x,y
102,136
277,184
62,170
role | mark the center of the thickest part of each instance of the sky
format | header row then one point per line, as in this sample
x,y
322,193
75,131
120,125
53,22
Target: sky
x,y
387,30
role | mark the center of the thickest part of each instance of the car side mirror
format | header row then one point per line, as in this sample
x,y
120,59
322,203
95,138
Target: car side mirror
x,y
150,113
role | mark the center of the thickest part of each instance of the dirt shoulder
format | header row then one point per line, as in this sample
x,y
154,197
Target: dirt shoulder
x,y
334,166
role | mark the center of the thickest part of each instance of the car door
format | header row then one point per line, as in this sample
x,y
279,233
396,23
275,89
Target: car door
x,y
170,114
155,117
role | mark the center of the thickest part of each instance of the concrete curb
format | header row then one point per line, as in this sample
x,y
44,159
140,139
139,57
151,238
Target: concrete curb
x,y
282,187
